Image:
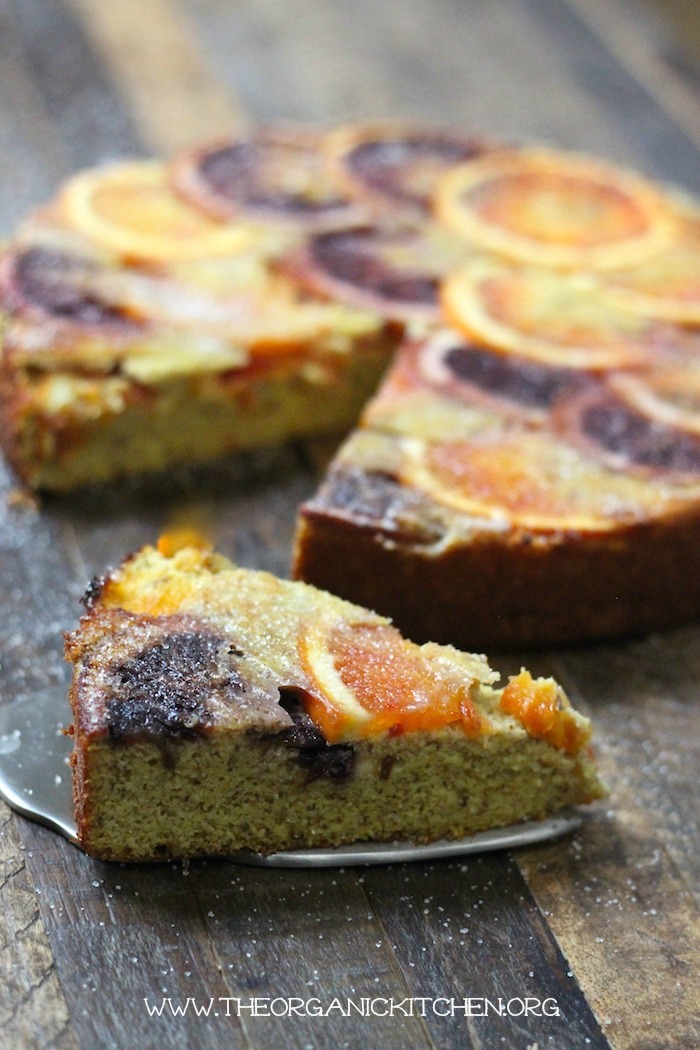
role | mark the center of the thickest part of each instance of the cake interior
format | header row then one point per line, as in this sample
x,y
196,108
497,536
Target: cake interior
x,y
249,792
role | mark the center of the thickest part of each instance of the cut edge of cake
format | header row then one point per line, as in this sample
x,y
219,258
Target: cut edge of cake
x,y
216,711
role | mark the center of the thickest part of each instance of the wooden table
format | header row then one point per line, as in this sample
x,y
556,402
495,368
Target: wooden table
x,y
606,922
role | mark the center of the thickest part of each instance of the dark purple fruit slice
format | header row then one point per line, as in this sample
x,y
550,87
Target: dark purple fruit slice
x,y
56,284
625,438
396,271
400,165
502,381
268,175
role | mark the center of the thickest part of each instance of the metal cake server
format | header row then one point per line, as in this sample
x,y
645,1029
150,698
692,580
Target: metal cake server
x,y
35,780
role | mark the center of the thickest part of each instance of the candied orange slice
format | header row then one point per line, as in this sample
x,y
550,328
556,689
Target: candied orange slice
x,y
398,163
560,319
555,209
130,209
279,175
530,481
368,680
543,709
668,284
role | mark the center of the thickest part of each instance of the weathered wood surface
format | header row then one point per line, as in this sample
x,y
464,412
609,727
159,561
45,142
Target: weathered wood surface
x,y
607,922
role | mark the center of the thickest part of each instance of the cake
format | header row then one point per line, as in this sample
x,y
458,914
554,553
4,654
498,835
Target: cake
x,y
490,502
219,709
529,471
533,450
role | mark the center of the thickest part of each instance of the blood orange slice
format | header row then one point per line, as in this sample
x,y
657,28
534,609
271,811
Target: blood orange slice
x,y
394,270
52,281
367,680
269,175
668,284
555,209
480,376
398,164
670,397
559,319
622,433
529,481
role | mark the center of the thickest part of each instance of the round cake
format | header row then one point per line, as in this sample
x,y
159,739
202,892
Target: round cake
x,y
529,470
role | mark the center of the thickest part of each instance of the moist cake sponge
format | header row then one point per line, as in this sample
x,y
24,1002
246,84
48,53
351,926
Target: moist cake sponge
x,y
218,709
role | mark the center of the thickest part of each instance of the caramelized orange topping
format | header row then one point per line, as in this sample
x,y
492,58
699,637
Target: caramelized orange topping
x,y
172,541
371,681
543,710
519,480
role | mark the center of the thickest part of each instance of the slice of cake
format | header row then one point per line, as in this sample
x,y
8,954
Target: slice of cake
x,y
140,334
218,709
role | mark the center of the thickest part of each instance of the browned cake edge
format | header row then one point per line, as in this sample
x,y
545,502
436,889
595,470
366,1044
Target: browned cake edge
x,y
494,594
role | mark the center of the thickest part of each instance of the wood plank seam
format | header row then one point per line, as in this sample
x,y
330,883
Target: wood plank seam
x,y
161,71
622,37
400,973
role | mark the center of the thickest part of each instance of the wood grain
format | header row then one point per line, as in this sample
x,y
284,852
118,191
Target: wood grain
x,y
26,132
606,922
621,897
32,1008
635,45
122,935
471,929
628,925
307,934
150,52
78,96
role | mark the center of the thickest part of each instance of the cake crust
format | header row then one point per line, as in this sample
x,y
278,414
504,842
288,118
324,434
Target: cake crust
x,y
492,595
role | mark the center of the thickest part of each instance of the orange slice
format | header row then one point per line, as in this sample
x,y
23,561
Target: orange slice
x,y
527,480
559,319
555,209
543,709
668,284
130,209
368,680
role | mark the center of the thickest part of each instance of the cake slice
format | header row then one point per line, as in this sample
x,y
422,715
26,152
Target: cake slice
x,y
219,709
139,334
